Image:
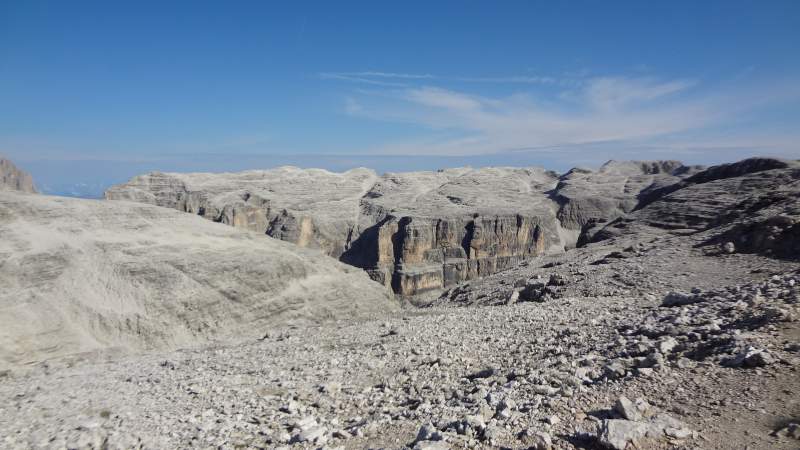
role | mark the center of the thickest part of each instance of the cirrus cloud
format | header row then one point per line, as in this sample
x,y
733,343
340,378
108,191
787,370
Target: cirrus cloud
x,y
627,110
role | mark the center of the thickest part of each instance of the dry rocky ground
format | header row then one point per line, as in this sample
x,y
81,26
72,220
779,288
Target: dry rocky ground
x,y
712,366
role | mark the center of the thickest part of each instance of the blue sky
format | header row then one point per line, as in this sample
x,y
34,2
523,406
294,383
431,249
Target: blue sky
x,y
95,92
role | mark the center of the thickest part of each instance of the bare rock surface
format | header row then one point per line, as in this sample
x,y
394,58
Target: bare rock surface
x,y
753,204
14,179
610,371
415,231
649,338
588,198
85,275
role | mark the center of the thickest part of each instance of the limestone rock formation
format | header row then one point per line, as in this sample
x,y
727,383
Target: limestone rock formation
x,y
588,199
414,231
81,275
312,208
435,229
14,179
753,203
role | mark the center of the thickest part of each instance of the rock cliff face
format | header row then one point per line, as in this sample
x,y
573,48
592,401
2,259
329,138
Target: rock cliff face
x,y
435,229
414,231
13,179
83,275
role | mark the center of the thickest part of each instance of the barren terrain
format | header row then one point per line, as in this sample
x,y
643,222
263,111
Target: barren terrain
x,y
674,326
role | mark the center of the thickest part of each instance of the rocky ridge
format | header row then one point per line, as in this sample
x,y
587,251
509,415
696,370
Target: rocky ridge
x,y
416,231
14,179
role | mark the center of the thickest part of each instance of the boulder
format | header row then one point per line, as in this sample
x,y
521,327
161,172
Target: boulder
x,y
616,434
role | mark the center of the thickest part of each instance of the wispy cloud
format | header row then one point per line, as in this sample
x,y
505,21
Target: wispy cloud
x,y
623,110
514,79
610,93
359,79
372,74
404,79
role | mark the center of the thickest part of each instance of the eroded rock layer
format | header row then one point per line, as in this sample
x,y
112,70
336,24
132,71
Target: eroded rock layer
x,y
414,231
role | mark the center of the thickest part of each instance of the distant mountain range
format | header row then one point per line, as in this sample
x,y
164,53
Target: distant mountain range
x,y
78,190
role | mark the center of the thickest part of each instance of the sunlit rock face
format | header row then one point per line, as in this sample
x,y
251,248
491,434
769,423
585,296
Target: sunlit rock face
x,y
14,179
414,231
89,275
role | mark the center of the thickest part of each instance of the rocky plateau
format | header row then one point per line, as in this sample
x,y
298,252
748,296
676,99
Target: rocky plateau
x,y
415,231
645,305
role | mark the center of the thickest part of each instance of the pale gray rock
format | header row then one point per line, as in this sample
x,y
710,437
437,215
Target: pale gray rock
x,y
627,409
431,445
309,207
14,179
750,194
589,198
617,434
540,441
415,231
84,275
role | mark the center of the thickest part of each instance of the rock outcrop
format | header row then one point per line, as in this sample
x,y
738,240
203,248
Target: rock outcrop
x,y
14,179
754,204
414,231
436,229
83,275
588,199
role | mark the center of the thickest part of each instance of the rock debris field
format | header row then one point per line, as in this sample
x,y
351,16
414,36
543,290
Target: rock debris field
x,y
696,368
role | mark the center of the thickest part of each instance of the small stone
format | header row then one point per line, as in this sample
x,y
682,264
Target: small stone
x,y
315,434
292,407
791,431
678,299
751,357
475,422
556,280
538,440
625,408
483,373
678,433
431,445
428,432
667,345
492,433
342,434
545,390
552,420
615,370
728,247
513,297
616,433
685,363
